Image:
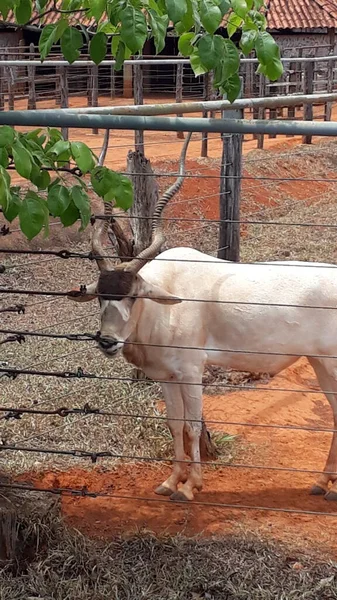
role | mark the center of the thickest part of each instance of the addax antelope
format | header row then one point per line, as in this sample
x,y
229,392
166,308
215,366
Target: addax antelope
x,y
182,310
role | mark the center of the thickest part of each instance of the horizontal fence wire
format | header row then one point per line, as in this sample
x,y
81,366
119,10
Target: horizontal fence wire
x,y
13,373
81,292
83,492
94,337
95,455
65,411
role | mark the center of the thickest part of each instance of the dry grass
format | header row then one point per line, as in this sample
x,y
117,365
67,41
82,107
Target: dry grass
x,y
53,563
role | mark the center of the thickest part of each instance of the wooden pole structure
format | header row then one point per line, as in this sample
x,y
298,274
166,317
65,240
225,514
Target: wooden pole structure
x,y
308,89
261,111
208,86
329,89
64,99
127,81
138,87
31,81
230,191
179,92
93,90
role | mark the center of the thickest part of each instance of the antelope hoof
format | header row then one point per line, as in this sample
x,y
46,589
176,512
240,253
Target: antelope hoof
x,y
163,491
179,497
317,490
331,496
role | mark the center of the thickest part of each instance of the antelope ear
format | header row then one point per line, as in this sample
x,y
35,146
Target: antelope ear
x,y
78,296
155,293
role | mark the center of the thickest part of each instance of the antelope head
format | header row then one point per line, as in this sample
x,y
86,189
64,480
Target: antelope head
x,y
119,286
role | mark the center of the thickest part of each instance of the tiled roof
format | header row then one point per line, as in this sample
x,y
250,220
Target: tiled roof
x,y
302,14
281,14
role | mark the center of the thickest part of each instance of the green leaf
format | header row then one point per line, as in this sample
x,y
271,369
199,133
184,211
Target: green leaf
x,y
47,39
232,87
115,44
102,180
184,44
22,159
265,47
82,155
59,148
43,180
234,22
70,215
58,200
97,8
4,188
231,59
210,49
32,215
81,200
224,6
61,26
121,191
71,42
4,158
7,136
247,41
5,7
106,27
176,9
40,4
273,70
13,207
258,4
210,15
240,7
159,27
23,11
133,28
98,47
196,64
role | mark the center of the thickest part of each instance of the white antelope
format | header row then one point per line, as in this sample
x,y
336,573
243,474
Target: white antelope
x,y
248,317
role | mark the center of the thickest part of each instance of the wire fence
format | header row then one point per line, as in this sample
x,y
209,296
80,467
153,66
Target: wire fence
x,y
37,333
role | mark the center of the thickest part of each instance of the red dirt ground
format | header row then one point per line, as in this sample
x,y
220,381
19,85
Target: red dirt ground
x,y
105,517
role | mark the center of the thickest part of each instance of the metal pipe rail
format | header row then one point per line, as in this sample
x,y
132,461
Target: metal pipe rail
x,y
212,106
57,118
145,61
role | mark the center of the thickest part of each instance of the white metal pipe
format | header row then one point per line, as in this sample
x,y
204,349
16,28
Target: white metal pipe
x,y
143,61
191,107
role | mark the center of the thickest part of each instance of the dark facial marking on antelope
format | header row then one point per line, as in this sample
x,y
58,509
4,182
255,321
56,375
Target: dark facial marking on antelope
x,y
114,285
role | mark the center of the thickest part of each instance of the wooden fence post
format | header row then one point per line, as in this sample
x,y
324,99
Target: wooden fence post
x,y
93,89
10,87
31,80
64,100
127,81
112,81
230,190
308,89
179,92
261,111
208,86
329,89
138,87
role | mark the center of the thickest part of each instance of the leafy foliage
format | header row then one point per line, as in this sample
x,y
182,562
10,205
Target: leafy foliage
x,y
122,26
58,191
